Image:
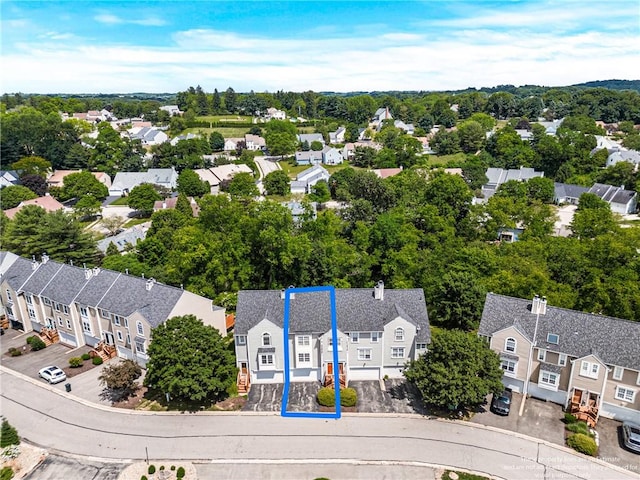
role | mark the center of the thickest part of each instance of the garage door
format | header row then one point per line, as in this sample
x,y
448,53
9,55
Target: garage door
x,y
363,373
67,339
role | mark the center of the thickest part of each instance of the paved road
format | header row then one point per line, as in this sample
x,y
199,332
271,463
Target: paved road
x,y
51,419
266,166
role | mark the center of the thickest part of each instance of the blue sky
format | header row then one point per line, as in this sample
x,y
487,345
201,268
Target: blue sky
x,y
166,46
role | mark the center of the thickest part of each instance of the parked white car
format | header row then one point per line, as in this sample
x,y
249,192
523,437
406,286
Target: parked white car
x,y
52,374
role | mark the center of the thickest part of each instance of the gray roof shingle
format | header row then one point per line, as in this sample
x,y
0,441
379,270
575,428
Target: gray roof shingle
x,y
41,277
19,272
357,310
66,285
615,341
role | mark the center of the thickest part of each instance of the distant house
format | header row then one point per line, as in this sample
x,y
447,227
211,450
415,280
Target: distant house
x,y
148,135
130,236
524,134
551,128
47,202
170,204
310,138
565,193
309,157
387,172
623,155
299,210
254,142
328,156
171,110
9,177
337,136
189,136
124,182
498,176
509,235
56,179
275,114
620,200
216,175
380,116
306,179
408,128
331,156
230,144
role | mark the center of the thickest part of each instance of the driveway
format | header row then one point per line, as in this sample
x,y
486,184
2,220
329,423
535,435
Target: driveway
x,y
611,448
397,397
267,397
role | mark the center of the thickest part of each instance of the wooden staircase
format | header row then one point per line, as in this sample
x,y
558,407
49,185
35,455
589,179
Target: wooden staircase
x,y
4,322
49,336
103,351
329,380
243,381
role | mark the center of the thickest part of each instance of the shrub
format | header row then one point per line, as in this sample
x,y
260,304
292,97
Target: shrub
x,y
36,343
8,434
161,467
180,473
579,427
97,360
143,477
75,362
85,356
173,467
568,418
10,452
583,443
348,397
327,397
151,470
14,352
6,473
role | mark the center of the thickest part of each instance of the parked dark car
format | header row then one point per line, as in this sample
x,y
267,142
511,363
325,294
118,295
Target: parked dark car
x,y
631,436
501,403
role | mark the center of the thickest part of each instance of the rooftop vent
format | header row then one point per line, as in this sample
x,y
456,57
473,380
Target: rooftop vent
x,y
378,291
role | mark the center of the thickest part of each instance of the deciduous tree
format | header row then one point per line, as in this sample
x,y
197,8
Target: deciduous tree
x,y
119,379
12,195
142,197
277,183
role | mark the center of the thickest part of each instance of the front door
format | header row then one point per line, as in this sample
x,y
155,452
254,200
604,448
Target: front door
x,y
108,338
329,368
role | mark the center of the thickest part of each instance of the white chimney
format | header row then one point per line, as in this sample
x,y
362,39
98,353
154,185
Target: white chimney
x,y
45,258
378,291
543,306
87,273
150,283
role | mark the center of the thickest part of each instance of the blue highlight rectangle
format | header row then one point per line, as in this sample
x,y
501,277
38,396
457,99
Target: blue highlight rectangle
x,y
334,336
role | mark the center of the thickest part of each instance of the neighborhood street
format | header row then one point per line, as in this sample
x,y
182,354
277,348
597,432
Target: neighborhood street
x,y
52,419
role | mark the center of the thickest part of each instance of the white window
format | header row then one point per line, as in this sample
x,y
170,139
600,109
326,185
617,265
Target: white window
x,y
86,326
65,309
552,338
68,324
140,328
105,314
116,319
59,321
58,307
508,366
46,301
140,347
355,337
83,312
399,334
241,339
331,344
119,335
542,354
266,340
397,352
510,344
126,323
625,394
9,298
562,359
266,359
617,373
588,369
374,337
9,310
304,358
364,354
29,299
304,340
548,380
421,346
32,312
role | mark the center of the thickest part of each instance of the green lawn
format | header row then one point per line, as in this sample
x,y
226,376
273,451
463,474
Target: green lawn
x,y
225,118
227,132
135,221
442,160
293,170
124,201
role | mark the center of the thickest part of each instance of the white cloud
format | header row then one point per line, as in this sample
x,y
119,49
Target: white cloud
x,y
393,61
110,19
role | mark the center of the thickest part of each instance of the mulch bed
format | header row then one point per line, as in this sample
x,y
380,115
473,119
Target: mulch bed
x,y
72,372
133,401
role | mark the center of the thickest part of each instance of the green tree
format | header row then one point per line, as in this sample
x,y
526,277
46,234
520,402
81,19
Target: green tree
x,y
243,186
216,140
230,100
472,136
119,379
12,195
458,371
316,146
81,184
183,205
190,361
445,143
540,189
459,301
450,194
191,185
87,207
592,218
35,183
142,198
32,166
320,192
277,183
8,434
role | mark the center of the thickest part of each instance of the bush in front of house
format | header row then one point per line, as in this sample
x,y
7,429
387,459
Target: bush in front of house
x,y
8,434
6,473
569,419
180,473
151,470
579,427
327,397
36,343
348,397
75,362
97,360
85,356
583,443
14,352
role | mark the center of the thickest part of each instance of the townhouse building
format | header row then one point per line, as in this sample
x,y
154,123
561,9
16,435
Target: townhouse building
x,y
588,363
94,306
379,330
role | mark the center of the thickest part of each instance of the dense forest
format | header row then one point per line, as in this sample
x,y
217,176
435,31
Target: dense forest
x,y
417,229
